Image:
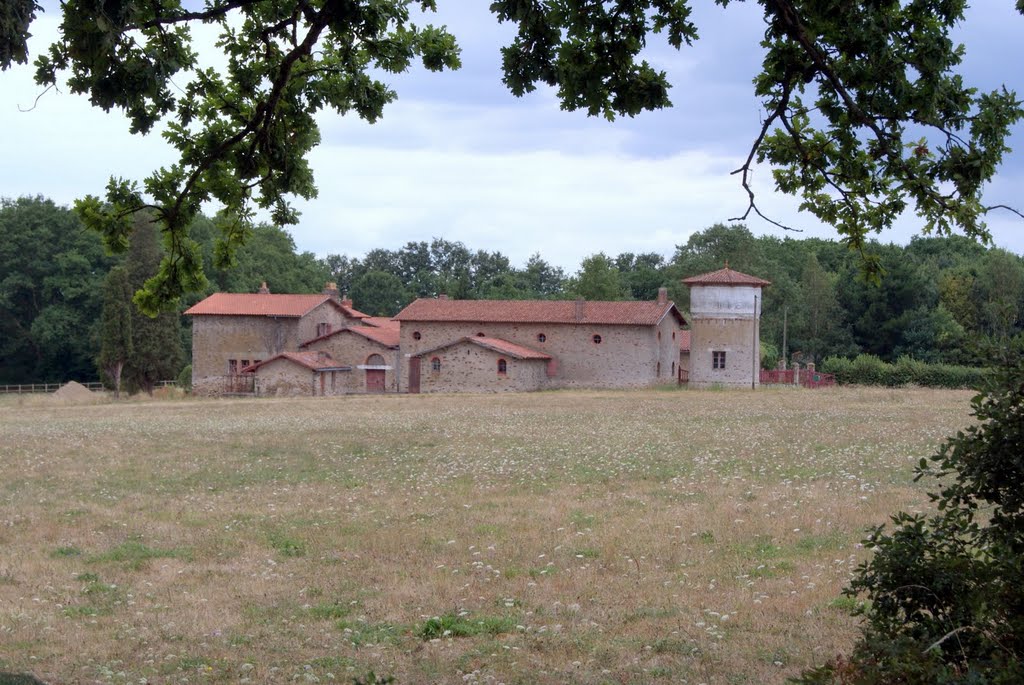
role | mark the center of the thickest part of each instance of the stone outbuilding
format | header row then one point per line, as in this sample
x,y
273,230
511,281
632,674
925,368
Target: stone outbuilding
x,y
299,374
481,362
371,350
725,329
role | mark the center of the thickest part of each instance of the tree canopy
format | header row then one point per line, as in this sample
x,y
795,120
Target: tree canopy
x,y
865,115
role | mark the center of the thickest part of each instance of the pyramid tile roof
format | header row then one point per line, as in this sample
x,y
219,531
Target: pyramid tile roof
x,y
726,276
539,311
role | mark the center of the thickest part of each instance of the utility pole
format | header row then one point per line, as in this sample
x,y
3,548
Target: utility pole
x,y
785,315
755,348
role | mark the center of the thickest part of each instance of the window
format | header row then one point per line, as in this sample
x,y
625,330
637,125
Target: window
x,y
718,360
673,335
541,337
435,365
597,339
375,360
673,368
245,363
232,366
322,329
416,335
659,335
481,335
502,367
657,371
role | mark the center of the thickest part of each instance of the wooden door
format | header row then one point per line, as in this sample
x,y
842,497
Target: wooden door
x,y
414,375
375,380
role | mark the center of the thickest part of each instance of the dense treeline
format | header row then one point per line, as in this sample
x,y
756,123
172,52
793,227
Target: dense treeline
x,y
937,298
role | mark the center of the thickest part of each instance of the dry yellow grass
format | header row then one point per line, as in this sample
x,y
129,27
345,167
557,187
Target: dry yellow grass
x,y
591,537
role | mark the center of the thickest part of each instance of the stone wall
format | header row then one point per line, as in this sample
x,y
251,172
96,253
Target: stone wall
x,y
470,368
738,338
286,378
349,349
627,356
218,339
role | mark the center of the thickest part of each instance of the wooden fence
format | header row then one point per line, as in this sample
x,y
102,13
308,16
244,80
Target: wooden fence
x,y
28,388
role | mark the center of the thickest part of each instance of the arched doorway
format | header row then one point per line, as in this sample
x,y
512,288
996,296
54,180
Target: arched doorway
x,y
375,376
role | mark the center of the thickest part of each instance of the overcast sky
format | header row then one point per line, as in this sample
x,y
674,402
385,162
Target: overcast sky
x,y
459,157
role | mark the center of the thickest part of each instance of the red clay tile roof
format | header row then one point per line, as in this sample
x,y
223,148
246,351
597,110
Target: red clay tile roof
x,y
265,304
539,311
384,336
684,341
380,322
315,361
726,276
498,345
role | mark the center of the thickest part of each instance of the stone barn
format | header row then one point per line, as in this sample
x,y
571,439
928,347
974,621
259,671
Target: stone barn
x,y
492,345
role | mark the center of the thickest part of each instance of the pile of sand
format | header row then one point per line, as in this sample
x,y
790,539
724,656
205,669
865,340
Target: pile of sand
x,y
75,393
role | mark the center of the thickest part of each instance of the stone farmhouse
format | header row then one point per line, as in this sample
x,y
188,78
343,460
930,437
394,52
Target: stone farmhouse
x,y
244,343
270,344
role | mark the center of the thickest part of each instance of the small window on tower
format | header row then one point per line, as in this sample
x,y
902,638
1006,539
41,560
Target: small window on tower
x,y
435,365
541,337
597,339
502,367
718,360
416,335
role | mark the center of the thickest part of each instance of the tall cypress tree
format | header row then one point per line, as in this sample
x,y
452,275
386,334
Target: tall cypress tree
x,y
156,340
116,345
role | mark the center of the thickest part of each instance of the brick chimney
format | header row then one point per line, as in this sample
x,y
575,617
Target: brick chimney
x,y
331,289
580,305
662,295
264,290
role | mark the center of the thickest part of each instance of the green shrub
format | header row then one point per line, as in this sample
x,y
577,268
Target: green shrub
x,y
184,379
840,367
946,589
769,355
868,369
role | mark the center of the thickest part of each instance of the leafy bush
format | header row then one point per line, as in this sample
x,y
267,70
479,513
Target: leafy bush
x,y
868,369
184,379
871,370
946,591
769,355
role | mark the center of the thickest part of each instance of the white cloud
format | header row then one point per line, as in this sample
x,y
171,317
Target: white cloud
x,y
459,157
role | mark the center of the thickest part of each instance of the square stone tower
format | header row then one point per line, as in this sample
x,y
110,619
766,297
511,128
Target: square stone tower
x,y
725,329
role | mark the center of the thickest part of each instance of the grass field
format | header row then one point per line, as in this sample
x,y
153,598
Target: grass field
x,y
590,537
